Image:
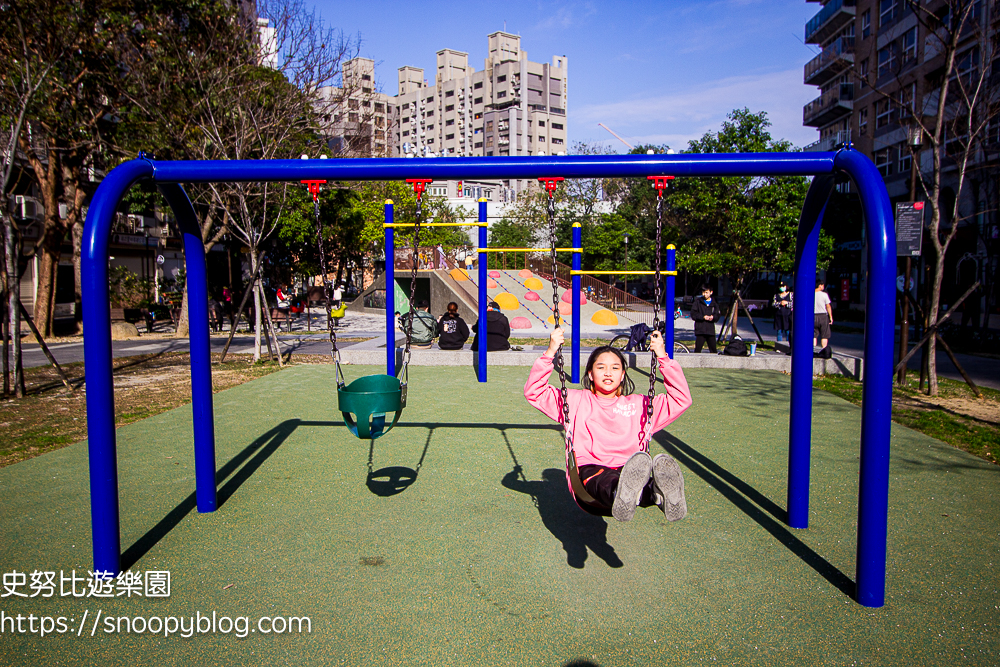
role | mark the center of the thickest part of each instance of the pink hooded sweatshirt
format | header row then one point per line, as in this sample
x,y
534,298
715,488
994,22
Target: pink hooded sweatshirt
x,y
606,430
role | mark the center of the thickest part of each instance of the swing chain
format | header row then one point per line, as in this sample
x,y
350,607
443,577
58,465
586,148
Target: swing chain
x,y
647,417
558,359
334,352
413,286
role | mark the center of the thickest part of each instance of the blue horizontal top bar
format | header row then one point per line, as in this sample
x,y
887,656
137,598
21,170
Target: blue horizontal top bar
x,y
569,166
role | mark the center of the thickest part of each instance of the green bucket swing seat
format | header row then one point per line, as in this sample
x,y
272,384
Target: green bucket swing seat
x,y
366,402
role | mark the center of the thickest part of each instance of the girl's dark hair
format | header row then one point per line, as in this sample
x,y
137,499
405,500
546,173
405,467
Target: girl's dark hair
x,y
452,307
626,387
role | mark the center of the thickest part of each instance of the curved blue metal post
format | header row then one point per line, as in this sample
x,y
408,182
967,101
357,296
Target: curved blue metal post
x,y
390,292
876,401
577,266
668,298
800,408
483,298
96,304
201,355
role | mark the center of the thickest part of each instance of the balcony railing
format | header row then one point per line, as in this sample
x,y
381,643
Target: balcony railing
x,y
828,107
834,15
836,57
830,143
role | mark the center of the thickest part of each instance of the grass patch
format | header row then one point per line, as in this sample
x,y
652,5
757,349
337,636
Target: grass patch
x,y
48,418
956,416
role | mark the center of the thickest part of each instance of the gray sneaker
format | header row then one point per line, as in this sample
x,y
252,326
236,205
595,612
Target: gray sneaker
x,y
633,477
668,487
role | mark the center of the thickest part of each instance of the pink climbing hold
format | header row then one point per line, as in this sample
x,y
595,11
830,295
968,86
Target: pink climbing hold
x,y
520,323
524,273
532,296
565,309
567,296
494,274
491,284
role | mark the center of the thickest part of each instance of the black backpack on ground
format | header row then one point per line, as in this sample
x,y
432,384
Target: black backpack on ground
x,y
736,348
825,353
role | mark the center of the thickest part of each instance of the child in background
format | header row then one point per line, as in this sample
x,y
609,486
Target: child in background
x,y
605,420
705,311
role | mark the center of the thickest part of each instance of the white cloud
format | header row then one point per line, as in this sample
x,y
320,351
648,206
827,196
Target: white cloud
x,y
678,117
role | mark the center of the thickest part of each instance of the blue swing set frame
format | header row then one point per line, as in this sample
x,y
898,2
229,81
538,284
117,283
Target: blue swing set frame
x,y
824,167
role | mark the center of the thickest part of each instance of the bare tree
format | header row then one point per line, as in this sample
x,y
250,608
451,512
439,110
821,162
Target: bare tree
x,y
954,116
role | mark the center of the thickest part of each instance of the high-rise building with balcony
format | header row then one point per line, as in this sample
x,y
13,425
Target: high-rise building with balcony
x,y
882,62
511,107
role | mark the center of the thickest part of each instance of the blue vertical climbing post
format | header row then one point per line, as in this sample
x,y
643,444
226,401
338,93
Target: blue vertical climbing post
x,y
668,299
575,293
201,356
800,409
390,292
483,298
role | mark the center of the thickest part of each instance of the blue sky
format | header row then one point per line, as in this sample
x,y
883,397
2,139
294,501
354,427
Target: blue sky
x,y
660,72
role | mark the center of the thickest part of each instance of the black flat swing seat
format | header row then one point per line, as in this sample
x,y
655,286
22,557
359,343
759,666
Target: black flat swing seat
x,y
366,401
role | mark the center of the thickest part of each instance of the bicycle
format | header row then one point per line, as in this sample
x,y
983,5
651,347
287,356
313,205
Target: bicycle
x,y
638,339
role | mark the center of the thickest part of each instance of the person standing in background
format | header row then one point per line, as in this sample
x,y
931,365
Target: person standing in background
x,y
822,315
783,312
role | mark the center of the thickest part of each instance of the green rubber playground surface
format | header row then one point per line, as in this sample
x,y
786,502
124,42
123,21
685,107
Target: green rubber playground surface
x,y
430,549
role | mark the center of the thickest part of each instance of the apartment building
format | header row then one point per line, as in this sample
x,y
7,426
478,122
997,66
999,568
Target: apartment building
x,y
357,118
881,62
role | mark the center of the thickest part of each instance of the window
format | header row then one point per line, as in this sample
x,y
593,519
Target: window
x,y
431,126
478,100
430,100
557,126
478,116
863,121
431,140
489,141
863,72
557,141
907,94
866,24
883,113
967,63
449,136
449,123
479,144
429,113
477,85
352,117
908,45
905,159
501,94
365,77
450,107
406,133
542,139
489,126
501,79
449,93
886,60
541,123
883,162
887,10
379,107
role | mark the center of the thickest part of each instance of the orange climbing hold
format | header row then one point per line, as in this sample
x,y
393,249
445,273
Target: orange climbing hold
x,y
533,283
507,301
605,318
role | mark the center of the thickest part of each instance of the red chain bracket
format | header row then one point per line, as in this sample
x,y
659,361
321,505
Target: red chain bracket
x,y
551,183
314,188
660,183
419,185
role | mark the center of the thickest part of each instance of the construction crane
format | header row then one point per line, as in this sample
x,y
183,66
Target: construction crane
x,y
630,146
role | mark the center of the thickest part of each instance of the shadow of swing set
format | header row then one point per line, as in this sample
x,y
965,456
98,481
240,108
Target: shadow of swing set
x,y
825,167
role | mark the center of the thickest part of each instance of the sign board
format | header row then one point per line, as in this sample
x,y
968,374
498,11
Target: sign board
x,y
845,289
909,228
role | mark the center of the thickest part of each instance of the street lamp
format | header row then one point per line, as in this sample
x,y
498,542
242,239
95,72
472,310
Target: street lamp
x,y
626,268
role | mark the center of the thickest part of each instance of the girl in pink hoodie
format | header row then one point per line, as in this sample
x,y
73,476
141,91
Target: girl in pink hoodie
x,y
605,422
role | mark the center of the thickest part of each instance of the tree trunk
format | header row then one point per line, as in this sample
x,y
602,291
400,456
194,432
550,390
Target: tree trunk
x,y
77,276
4,338
932,317
47,268
12,251
254,258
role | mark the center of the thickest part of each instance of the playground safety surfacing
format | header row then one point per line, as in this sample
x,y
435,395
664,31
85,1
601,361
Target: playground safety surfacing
x,y
432,549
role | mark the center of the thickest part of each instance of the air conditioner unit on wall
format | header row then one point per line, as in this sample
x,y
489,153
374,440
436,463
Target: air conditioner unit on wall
x,y
27,208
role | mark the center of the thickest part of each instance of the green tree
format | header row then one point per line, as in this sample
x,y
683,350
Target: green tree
x,y
738,226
